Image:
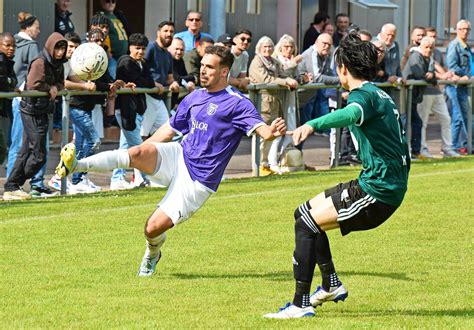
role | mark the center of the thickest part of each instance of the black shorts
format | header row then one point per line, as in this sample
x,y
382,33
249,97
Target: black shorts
x,y
356,209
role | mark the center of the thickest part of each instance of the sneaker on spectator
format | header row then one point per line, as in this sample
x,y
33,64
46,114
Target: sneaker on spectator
x,y
38,192
462,151
417,157
16,195
55,183
265,171
91,184
121,184
450,153
82,187
426,154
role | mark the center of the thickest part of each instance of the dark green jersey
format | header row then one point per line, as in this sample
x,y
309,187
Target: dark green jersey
x,y
374,120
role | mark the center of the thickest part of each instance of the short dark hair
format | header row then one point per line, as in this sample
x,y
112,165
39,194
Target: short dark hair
x,y
359,57
224,54
206,39
430,29
243,31
341,15
100,19
366,33
137,39
73,37
320,16
4,35
164,23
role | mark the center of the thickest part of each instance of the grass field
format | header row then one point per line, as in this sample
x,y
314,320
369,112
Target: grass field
x,y
71,262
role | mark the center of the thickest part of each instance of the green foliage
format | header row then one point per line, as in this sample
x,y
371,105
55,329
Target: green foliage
x,y
71,261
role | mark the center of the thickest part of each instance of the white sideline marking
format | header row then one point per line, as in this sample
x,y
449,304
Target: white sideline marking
x,y
213,198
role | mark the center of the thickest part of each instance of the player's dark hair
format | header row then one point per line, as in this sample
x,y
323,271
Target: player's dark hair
x,y
224,54
359,57
138,39
73,37
164,23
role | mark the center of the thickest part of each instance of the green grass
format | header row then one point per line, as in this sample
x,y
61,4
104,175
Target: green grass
x,y
71,262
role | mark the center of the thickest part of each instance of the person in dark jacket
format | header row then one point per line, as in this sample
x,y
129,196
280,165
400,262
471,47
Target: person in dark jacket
x,y
45,74
87,140
7,83
62,17
130,108
27,49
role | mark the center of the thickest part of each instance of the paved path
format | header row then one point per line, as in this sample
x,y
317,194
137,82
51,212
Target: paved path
x,y
316,153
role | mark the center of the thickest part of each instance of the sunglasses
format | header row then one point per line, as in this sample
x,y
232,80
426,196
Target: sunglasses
x,y
249,40
110,1
194,19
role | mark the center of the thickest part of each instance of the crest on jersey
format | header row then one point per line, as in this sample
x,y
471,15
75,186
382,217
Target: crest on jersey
x,y
211,109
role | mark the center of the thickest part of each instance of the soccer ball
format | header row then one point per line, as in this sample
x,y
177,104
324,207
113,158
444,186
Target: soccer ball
x,y
89,61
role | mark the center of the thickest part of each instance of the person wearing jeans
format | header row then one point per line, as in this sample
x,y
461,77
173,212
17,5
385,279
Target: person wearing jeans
x,y
460,61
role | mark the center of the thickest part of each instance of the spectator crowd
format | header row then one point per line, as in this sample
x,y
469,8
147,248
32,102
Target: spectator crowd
x,y
173,60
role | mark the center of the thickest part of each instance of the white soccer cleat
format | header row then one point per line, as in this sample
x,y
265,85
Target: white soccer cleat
x,y
321,296
148,265
290,311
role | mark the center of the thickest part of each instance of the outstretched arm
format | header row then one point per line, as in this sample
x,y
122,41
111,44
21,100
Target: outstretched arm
x,y
277,128
349,115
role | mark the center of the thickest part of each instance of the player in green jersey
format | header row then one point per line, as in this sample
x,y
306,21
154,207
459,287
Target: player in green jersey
x,y
361,204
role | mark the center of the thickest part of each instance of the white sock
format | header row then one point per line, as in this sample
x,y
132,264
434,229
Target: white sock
x,y
104,161
154,244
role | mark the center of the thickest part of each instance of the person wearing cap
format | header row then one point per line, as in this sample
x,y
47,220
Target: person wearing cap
x,y
225,40
193,34
238,76
192,59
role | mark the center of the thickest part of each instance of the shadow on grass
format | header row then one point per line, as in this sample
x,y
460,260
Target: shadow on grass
x,y
465,313
283,276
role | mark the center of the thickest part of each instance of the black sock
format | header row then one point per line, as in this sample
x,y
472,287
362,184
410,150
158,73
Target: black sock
x,y
301,298
329,275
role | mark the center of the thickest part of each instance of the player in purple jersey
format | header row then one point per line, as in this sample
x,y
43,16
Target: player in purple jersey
x,y
213,120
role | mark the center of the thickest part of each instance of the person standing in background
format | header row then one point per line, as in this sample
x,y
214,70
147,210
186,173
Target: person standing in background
x,y
27,49
118,33
62,17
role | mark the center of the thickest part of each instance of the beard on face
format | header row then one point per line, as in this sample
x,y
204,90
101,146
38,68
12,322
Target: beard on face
x,y
166,41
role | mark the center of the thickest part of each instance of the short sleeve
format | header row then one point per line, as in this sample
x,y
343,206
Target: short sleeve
x,y
246,118
363,101
180,120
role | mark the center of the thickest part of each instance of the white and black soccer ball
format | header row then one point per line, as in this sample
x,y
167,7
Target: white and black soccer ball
x,y
89,61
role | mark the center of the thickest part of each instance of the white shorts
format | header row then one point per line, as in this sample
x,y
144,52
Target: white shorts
x,y
155,115
184,196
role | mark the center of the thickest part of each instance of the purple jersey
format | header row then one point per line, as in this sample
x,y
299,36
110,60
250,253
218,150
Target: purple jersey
x,y
213,125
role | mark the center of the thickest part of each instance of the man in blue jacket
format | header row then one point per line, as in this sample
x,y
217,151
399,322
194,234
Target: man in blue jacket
x,y
460,61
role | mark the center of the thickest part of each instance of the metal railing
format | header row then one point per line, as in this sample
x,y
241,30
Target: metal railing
x,y
406,91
